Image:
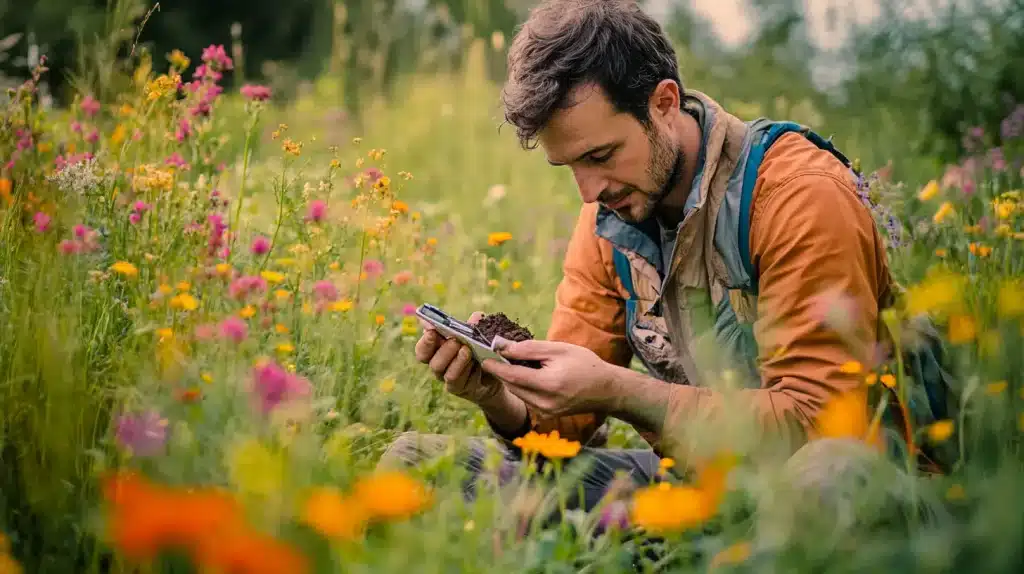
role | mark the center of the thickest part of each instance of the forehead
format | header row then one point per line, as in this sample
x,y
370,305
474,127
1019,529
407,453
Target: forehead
x,y
588,123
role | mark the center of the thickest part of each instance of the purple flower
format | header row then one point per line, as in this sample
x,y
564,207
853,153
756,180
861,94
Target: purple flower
x,y
272,385
142,434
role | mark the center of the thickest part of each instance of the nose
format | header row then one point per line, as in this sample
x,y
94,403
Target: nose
x,y
591,185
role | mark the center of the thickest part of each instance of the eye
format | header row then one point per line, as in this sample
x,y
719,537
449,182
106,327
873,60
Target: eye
x,y
603,158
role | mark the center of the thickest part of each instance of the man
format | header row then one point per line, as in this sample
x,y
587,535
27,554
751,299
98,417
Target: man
x,y
671,261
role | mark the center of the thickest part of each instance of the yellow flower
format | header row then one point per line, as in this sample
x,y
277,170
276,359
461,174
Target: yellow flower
x,y
44,147
332,514
118,135
996,388
735,554
247,311
272,276
185,302
939,431
889,380
254,469
666,463
206,377
497,238
183,286
850,368
1010,301
280,329
223,269
400,206
504,264
1003,209
342,305
979,249
929,191
945,210
124,268
391,495
284,348
178,59
962,329
845,416
871,379
1003,230
516,285
281,294
409,326
941,292
165,289
550,446
386,386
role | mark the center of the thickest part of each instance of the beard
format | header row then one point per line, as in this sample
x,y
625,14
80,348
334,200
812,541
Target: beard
x,y
665,170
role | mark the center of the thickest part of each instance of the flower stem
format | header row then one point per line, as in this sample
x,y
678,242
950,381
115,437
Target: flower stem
x,y
241,190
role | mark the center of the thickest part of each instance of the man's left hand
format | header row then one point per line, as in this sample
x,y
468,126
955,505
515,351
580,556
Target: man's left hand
x,y
572,379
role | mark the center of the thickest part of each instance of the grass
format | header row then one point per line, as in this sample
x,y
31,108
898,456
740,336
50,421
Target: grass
x,y
142,310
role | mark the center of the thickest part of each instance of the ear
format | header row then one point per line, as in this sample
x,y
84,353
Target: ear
x,y
665,99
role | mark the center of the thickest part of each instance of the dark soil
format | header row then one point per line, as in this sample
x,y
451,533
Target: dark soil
x,y
499,324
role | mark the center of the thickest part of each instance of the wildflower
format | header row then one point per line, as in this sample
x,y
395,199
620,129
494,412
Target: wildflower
x,y
962,329
250,551
373,268
844,417
734,554
402,277
124,268
945,211
325,291
996,388
400,206
143,434
317,210
260,245
939,431
5,190
979,249
516,285
550,446
850,367
255,469
342,305
871,379
90,106
42,222
391,495
255,93
185,302
1010,300
272,385
247,285
497,238
889,380
272,276
1003,209
409,309
333,515
379,319
292,148
940,292
234,329
940,252
178,59
929,191
281,329
282,294
247,312
665,507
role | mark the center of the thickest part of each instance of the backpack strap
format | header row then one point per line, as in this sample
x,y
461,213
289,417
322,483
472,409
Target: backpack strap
x,y
754,158
623,271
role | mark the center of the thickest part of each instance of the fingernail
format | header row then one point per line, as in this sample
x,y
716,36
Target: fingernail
x,y
500,343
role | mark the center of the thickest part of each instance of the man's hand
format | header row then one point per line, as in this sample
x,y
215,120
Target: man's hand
x,y
572,379
452,362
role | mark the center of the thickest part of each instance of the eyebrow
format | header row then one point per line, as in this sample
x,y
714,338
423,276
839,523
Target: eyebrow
x,y
591,151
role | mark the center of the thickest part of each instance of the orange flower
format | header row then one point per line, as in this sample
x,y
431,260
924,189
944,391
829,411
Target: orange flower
x,y
5,190
391,495
330,513
497,238
246,551
547,445
844,416
664,507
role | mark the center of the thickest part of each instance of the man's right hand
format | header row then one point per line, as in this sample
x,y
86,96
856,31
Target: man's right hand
x,y
452,362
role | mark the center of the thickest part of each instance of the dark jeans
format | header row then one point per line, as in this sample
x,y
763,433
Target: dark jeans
x,y
639,466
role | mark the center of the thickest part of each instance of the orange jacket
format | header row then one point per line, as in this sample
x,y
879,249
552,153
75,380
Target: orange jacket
x,y
808,229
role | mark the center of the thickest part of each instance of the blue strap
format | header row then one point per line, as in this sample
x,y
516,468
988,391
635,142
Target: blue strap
x,y
754,159
623,271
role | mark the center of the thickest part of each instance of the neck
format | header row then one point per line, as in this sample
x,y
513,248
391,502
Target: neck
x,y
670,212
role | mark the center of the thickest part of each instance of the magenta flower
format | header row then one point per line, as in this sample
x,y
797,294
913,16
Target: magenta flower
x,y
141,206
176,160
409,309
81,231
317,210
76,127
90,106
272,385
260,245
93,137
256,93
324,290
234,328
134,218
142,434
217,56
184,130
42,221
373,267
69,247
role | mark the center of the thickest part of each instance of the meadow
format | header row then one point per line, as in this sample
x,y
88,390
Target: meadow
x,y
206,343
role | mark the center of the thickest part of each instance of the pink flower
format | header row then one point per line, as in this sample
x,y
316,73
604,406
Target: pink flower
x,y
373,268
176,160
272,385
76,127
409,309
69,247
141,206
81,231
134,218
93,137
143,434
260,245
372,174
247,285
402,277
184,130
234,328
256,93
42,221
324,290
90,106
217,56
317,210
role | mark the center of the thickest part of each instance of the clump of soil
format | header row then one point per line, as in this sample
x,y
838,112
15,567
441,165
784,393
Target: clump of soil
x,y
500,324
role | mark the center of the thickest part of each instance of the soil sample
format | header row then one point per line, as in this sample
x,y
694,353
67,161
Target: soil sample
x,y
499,324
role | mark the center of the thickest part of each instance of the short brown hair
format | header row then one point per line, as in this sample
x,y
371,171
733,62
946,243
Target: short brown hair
x,y
566,43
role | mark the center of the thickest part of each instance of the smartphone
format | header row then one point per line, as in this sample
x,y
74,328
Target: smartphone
x,y
452,328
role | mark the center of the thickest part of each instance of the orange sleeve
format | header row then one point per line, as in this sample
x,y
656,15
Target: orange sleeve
x,y
810,235
589,311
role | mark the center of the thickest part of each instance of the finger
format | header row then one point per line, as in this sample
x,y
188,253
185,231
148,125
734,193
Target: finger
x,y
427,345
443,357
529,350
427,325
512,374
458,370
475,318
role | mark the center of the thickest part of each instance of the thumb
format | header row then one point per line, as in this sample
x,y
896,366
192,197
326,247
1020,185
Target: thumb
x,y
529,350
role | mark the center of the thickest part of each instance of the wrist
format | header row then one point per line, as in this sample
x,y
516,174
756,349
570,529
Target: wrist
x,y
505,411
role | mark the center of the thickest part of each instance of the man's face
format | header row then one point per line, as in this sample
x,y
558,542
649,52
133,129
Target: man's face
x,y
615,160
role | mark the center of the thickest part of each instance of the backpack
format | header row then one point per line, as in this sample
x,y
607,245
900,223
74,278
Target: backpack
x,y
931,393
